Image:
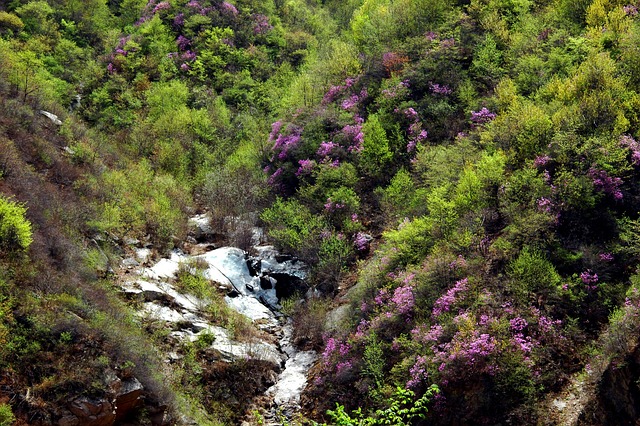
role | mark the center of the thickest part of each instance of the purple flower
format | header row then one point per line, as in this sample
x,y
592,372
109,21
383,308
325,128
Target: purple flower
x,y
411,114
544,204
606,257
382,297
161,6
541,160
329,349
350,102
111,68
481,117
518,324
325,149
418,372
444,303
285,143
229,8
178,21
361,240
634,147
330,96
306,166
261,24
403,299
440,89
274,177
185,67
589,277
605,183
275,129
525,344
343,366
183,42
630,10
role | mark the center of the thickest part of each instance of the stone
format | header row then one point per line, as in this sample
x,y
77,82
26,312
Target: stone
x,y
93,412
200,227
128,398
69,421
130,263
54,118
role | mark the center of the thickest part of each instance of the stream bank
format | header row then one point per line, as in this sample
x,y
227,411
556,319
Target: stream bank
x,y
253,285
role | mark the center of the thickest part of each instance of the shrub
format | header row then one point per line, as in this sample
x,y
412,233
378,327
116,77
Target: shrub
x,y
15,229
293,228
375,154
532,273
10,22
6,415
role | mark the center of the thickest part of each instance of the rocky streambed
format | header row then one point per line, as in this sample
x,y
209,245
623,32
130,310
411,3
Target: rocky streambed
x,y
254,285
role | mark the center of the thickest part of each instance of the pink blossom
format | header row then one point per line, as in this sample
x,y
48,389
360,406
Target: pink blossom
x,y
403,299
229,8
306,166
444,303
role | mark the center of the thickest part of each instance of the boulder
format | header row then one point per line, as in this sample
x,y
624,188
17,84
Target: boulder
x,y
128,398
54,118
91,412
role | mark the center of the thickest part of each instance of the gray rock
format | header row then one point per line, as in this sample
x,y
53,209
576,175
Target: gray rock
x,y
130,263
54,118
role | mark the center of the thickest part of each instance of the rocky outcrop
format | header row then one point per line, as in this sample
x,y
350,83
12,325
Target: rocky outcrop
x,y
253,285
86,411
617,399
128,397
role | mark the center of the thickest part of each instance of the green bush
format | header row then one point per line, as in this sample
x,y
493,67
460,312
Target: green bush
x,y
294,228
6,415
15,229
531,273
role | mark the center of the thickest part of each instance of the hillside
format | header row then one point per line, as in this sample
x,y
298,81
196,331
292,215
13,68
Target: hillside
x,y
460,178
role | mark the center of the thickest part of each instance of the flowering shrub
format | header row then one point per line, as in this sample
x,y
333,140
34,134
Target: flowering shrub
x,y
605,183
484,116
447,300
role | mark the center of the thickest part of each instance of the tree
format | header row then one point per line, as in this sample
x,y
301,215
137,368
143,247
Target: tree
x,y
15,229
375,152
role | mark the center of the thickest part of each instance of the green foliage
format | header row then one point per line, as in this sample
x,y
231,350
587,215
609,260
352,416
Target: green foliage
x,y
10,22
401,410
36,16
137,200
293,227
15,229
532,274
401,199
333,253
190,278
412,240
6,415
375,155
487,62
374,361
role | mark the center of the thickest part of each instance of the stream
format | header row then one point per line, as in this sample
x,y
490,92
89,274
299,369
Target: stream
x,y
254,285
